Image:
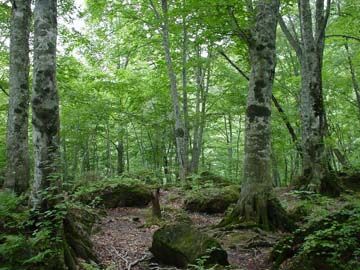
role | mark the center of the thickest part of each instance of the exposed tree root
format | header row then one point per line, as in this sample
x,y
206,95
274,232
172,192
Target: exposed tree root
x,y
258,210
329,185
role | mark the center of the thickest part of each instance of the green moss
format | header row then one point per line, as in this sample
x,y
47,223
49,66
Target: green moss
x,y
181,244
212,200
114,193
169,216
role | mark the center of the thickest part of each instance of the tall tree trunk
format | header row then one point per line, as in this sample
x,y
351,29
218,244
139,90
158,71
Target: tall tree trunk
x,y
184,86
256,203
203,85
179,125
309,51
45,106
196,148
18,171
312,105
257,181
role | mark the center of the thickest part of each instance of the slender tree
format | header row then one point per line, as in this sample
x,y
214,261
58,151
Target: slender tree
x,y
45,104
180,132
18,174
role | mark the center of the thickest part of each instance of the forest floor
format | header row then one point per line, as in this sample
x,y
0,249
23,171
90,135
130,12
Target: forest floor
x,y
125,235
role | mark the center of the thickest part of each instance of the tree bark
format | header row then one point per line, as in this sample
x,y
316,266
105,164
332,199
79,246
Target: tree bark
x,y
18,171
203,85
45,106
257,204
184,86
309,51
312,104
257,181
276,103
179,125
196,148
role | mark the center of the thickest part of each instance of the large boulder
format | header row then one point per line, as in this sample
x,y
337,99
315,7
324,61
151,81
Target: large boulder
x,y
212,200
181,244
114,194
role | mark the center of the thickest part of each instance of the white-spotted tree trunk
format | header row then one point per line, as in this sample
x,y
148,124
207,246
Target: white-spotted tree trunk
x,y
257,204
45,104
18,171
310,49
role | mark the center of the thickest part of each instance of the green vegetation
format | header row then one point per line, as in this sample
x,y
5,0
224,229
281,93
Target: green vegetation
x,y
331,242
212,200
188,122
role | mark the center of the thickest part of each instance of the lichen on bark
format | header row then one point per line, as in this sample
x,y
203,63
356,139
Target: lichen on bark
x,y
45,103
18,171
257,206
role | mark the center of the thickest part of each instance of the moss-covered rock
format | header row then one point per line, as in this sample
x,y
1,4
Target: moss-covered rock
x,y
299,213
115,193
182,244
217,180
212,200
332,242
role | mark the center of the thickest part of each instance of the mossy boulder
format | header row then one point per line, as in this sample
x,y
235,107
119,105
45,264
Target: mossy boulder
x,y
212,200
112,194
181,244
332,242
210,177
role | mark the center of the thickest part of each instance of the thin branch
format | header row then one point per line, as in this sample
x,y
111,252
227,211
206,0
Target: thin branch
x,y
143,258
276,103
343,36
293,28
3,90
293,42
323,22
234,65
242,34
157,14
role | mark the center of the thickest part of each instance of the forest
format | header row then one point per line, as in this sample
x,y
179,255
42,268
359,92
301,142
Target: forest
x,y
179,134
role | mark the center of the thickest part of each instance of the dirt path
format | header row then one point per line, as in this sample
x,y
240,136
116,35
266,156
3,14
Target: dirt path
x,y
123,241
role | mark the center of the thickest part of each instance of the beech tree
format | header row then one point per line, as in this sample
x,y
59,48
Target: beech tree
x,y
18,171
309,48
257,203
180,132
45,104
